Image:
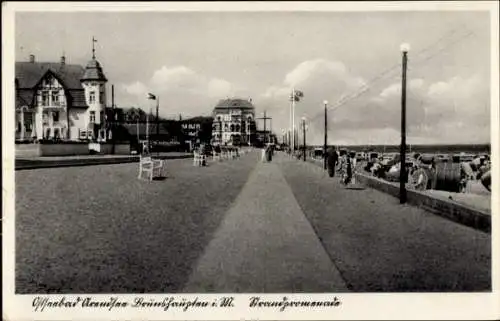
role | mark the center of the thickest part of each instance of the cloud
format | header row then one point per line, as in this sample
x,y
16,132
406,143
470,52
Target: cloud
x,y
319,79
454,110
137,89
181,90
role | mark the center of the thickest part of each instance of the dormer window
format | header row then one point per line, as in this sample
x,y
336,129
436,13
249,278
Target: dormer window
x,y
45,98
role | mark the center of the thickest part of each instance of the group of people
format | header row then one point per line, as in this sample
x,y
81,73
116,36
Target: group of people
x,y
342,162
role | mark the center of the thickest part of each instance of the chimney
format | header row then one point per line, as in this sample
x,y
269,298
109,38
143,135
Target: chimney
x,y
63,60
32,58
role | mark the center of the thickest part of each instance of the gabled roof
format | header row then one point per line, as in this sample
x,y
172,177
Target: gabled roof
x,y
28,74
234,103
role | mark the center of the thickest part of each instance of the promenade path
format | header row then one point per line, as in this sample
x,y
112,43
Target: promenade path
x,y
234,226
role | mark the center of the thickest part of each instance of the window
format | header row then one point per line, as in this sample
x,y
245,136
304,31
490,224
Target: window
x,y
55,116
55,98
92,97
92,117
45,98
101,97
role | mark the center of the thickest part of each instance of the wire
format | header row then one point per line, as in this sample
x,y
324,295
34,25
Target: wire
x,y
385,72
366,88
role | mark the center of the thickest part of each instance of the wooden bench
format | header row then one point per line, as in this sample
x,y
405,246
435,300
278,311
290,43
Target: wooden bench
x,y
152,167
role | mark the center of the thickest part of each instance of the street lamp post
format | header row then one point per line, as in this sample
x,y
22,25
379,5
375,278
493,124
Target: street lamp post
x,y
304,136
402,172
325,143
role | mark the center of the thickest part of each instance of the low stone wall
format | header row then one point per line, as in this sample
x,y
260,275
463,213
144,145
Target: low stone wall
x,y
449,209
28,150
68,149
107,148
65,149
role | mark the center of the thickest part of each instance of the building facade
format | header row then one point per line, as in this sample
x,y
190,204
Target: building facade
x,y
60,101
233,122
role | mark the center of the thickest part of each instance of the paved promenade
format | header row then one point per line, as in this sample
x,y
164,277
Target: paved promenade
x,y
234,226
265,244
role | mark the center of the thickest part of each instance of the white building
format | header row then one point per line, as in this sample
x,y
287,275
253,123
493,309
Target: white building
x,y
59,100
234,122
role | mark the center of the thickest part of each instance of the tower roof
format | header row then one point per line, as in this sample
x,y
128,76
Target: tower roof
x,y
93,71
235,103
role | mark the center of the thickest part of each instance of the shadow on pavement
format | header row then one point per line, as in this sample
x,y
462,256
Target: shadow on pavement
x,y
356,188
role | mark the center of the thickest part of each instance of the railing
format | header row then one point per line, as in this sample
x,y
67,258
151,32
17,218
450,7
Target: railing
x,y
53,104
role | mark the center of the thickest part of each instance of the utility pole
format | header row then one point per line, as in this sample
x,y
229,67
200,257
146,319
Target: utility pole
x,y
113,121
325,143
265,118
402,172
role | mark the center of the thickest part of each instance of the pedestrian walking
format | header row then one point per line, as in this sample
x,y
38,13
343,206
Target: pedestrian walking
x,y
269,153
331,161
353,162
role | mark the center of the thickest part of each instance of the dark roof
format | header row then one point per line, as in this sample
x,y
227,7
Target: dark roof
x,y
132,129
93,71
24,98
28,74
234,103
78,98
197,119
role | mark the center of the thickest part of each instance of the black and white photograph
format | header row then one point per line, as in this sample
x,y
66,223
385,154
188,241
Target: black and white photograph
x,y
166,151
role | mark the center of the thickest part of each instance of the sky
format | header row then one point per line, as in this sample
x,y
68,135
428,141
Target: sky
x,y
352,60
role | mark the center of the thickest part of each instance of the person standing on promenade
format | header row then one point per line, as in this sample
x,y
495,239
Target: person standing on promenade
x,y
332,158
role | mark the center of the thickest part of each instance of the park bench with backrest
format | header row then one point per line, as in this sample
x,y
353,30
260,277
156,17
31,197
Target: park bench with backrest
x,y
152,167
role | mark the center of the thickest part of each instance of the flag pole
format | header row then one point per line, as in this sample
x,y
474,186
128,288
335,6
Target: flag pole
x,y
147,128
157,126
290,128
293,120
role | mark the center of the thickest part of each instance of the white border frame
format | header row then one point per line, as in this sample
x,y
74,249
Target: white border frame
x,y
354,306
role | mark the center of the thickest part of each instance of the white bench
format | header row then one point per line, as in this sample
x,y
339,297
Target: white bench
x,y
199,159
152,167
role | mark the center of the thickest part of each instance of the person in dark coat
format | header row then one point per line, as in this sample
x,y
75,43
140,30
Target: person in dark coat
x,y
332,159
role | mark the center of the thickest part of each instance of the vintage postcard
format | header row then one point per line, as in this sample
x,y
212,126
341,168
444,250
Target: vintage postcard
x,y
250,160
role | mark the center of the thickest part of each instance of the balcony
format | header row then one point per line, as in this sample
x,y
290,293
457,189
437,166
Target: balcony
x,y
54,105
